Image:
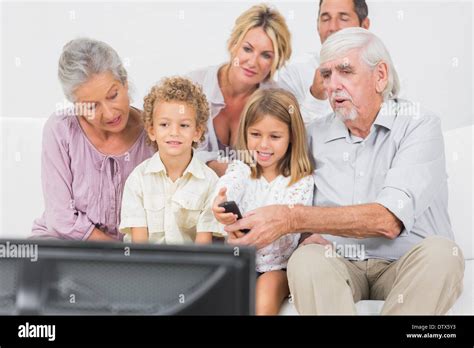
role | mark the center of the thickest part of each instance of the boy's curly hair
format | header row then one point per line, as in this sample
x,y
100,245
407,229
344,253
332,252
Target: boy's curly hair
x,y
177,89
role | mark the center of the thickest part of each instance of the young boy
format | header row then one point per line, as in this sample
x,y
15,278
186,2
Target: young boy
x,y
167,198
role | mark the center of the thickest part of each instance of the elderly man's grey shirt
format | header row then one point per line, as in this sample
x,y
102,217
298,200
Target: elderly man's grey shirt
x,y
400,164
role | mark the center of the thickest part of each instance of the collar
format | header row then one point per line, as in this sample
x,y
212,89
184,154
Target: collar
x,y
385,118
155,165
337,129
387,114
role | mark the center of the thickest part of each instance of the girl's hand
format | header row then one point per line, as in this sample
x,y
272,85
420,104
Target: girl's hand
x,y
219,212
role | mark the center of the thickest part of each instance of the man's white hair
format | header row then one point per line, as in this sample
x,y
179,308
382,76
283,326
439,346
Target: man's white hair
x,y
372,52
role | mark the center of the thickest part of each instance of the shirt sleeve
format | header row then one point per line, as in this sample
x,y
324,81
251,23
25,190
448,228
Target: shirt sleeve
x,y
295,78
61,215
133,212
205,151
235,180
301,192
417,173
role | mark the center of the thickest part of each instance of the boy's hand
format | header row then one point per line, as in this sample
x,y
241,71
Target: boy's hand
x,y
219,212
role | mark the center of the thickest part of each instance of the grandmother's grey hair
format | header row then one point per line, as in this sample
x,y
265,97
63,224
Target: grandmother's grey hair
x,y
82,58
372,52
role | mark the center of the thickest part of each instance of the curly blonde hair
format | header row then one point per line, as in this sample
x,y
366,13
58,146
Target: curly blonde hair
x,y
177,89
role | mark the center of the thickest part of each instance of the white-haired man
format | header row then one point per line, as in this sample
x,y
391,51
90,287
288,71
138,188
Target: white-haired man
x,y
302,77
380,196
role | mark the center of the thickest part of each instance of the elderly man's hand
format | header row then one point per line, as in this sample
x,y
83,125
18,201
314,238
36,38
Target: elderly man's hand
x,y
266,225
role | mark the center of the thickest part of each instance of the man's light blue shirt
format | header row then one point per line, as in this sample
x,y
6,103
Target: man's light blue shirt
x,y
400,165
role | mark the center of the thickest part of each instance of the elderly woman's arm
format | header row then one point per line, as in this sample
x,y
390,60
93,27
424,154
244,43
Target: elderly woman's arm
x,y
61,215
99,236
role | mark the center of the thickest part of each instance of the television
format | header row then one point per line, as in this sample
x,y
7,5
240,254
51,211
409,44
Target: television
x,y
112,278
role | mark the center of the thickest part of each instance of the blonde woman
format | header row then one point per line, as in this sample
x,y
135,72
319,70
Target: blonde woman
x,y
259,45
275,169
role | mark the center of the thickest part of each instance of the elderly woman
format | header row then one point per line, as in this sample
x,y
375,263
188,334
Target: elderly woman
x,y
89,151
259,45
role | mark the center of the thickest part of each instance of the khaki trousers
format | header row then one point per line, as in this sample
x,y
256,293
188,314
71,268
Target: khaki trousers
x,y
426,280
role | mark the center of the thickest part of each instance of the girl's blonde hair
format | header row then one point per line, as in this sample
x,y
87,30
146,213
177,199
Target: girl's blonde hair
x,y
273,23
177,89
278,103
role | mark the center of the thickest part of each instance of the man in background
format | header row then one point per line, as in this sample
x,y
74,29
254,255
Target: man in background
x,y
303,79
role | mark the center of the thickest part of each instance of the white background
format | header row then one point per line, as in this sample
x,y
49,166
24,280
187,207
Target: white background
x,y
431,43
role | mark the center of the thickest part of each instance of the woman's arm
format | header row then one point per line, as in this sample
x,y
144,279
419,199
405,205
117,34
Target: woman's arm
x,y
218,167
61,215
99,236
207,151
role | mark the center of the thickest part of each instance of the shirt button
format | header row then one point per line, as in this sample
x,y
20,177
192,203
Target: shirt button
x,y
361,173
359,202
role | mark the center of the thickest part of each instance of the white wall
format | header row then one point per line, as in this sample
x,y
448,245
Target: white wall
x,y
431,43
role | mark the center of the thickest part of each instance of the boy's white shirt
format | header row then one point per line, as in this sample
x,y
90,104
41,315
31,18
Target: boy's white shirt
x,y
173,211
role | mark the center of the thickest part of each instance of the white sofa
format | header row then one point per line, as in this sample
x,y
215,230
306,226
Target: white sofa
x,y
22,201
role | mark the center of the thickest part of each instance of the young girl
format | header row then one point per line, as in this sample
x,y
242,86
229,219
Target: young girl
x,y
274,168
167,198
